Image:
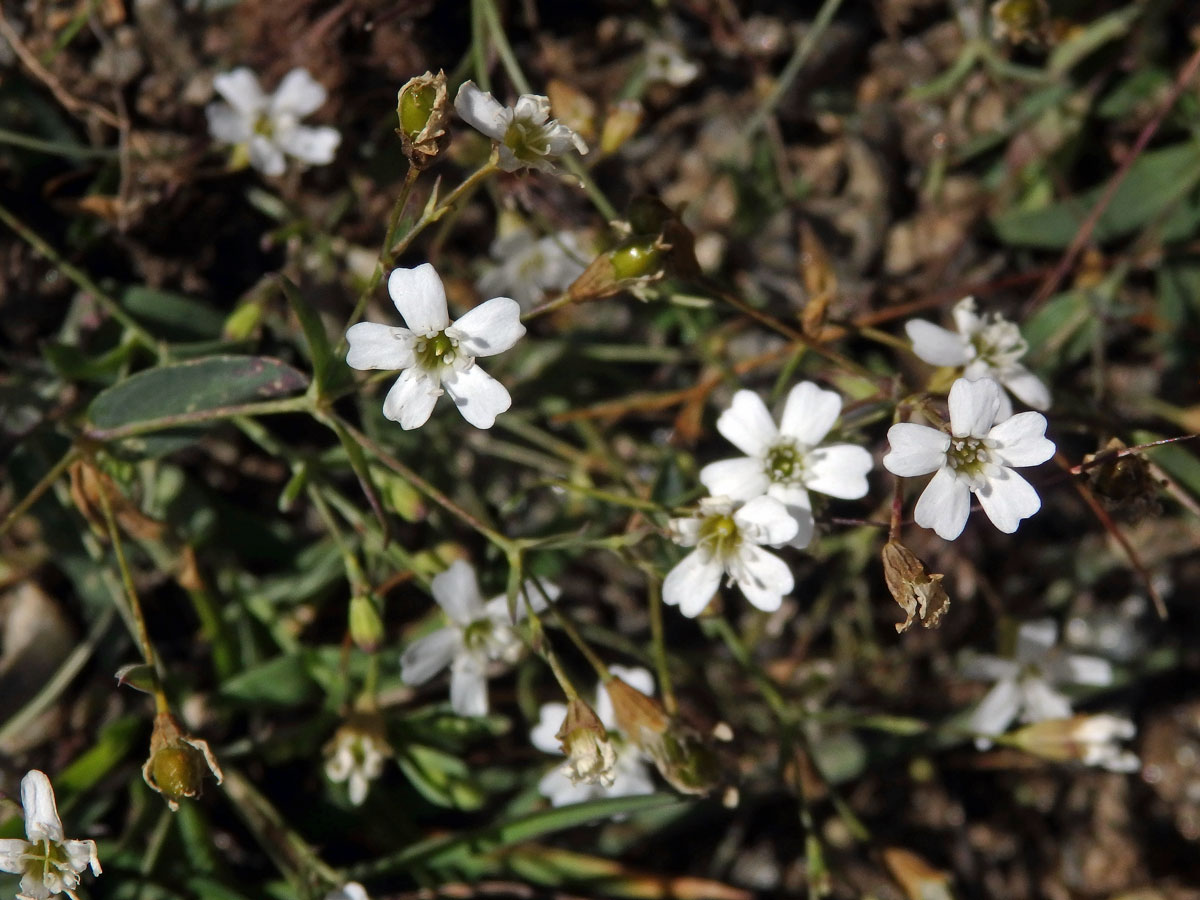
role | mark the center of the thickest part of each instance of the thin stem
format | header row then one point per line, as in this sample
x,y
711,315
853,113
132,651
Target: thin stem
x,y
659,648
35,493
135,606
503,48
82,280
793,66
572,632
426,488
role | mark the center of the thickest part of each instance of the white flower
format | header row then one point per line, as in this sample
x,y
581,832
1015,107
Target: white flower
x,y
977,457
528,267
666,62
629,774
436,353
356,756
270,125
47,862
1026,684
478,633
351,890
787,462
727,541
1097,736
984,348
522,132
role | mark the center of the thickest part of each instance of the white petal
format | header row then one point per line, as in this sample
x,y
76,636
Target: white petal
x,y
690,585
635,676
685,532
456,591
1021,440
480,110
1007,498
357,787
764,520
550,719
532,108
1041,702
748,425
1035,640
241,89
351,890
966,319
809,413
81,855
1079,668
489,328
478,396
805,523
266,156
997,710
974,406
539,592
989,668
12,851
419,295
428,655
742,478
298,94
1029,389
41,813
556,787
412,398
227,124
468,686
839,470
915,449
944,505
315,146
763,577
375,346
936,345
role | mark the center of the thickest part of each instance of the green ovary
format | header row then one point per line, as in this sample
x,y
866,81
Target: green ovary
x,y
968,455
477,634
784,464
527,142
437,351
719,535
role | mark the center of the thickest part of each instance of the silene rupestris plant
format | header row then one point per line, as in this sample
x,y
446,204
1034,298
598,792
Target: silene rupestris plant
x,y
748,321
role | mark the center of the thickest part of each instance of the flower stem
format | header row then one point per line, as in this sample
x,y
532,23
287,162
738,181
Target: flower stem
x,y
44,483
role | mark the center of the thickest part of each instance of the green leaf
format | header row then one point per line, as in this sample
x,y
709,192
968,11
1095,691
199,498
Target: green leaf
x,y
1155,182
173,316
282,681
173,396
441,778
319,349
443,850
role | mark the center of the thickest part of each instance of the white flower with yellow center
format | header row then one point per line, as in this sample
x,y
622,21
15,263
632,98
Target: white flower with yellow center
x,y
524,132
356,756
728,538
478,633
983,347
977,458
789,461
268,126
435,353
47,862
527,267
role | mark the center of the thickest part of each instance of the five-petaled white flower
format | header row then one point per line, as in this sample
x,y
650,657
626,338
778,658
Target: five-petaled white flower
x,y
787,462
1026,684
478,633
527,267
436,353
977,457
47,862
356,756
525,133
984,348
728,541
629,775
665,62
269,126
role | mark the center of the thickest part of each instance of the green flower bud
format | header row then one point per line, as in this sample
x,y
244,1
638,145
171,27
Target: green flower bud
x,y
636,258
366,627
423,109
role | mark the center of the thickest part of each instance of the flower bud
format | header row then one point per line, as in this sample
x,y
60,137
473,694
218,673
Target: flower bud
x,y
423,110
177,763
680,754
366,627
1091,740
637,257
920,595
584,740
